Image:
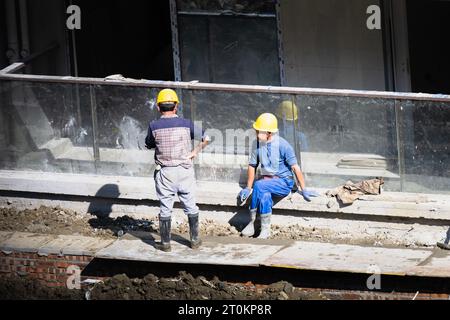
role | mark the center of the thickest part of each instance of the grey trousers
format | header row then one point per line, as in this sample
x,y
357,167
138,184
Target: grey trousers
x,y
173,181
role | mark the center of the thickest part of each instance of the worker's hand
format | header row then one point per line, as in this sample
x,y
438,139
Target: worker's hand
x,y
192,155
244,194
307,194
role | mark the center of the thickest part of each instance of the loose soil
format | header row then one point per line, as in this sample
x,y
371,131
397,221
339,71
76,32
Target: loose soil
x,y
183,287
60,221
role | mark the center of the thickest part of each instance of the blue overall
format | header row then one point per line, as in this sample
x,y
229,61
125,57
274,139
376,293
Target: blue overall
x,y
276,159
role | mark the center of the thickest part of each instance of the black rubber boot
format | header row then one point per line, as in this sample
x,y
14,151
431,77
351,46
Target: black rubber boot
x,y
193,231
165,225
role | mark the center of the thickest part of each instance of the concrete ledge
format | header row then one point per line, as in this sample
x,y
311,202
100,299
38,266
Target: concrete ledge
x,y
25,242
44,244
73,245
388,204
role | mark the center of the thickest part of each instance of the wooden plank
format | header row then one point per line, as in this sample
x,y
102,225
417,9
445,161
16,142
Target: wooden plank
x,y
209,253
347,258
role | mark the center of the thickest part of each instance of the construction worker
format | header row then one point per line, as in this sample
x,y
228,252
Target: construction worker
x,y
287,112
278,165
171,137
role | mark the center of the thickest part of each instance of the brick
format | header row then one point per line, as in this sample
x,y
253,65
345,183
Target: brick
x,y
62,271
62,264
5,268
46,264
50,277
55,284
54,257
20,269
41,270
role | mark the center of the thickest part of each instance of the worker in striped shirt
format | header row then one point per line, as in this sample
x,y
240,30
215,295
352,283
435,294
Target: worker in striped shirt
x,y
171,137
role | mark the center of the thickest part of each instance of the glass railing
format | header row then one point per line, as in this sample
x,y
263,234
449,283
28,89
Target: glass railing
x,y
76,125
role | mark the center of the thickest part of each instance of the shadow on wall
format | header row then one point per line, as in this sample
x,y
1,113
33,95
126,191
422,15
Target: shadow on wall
x,y
101,207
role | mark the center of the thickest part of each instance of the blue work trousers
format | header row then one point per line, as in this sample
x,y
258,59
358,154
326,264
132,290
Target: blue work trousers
x,y
265,189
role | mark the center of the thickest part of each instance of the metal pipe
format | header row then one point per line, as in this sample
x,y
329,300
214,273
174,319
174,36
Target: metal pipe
x,y
13,68
40,53
227,13
175,40
74,50
11,26
280,44
230,87
400,138
94,125
25,36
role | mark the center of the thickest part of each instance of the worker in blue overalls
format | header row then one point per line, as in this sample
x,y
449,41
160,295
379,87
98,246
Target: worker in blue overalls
x,y
278,165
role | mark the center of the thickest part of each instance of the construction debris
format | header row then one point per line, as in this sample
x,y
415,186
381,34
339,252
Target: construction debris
x,y
350,192
59,221
51,221
119,77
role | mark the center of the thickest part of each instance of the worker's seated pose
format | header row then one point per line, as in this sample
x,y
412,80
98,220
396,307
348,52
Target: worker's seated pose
x,y
278,165
171,138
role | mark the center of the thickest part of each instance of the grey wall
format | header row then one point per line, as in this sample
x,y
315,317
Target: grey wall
x,y
47,24
327,45
3,40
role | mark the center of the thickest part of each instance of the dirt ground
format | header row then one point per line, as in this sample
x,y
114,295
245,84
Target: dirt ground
x,y
183,287
67,222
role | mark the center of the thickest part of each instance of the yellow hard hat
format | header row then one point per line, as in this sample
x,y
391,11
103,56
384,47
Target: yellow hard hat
x,y
287,110
266,122
167,95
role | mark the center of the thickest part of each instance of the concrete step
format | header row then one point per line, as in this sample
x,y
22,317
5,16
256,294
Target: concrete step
x,y
221,194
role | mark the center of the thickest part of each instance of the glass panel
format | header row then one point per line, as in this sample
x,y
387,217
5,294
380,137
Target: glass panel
x,y
237,50
123,116
46,127
425,134
50,127
228,119
347,138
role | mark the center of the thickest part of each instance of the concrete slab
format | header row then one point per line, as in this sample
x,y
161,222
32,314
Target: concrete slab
x,y
5,235
437,265
243,252
25,242
390,204
209,253
74,245
348,258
